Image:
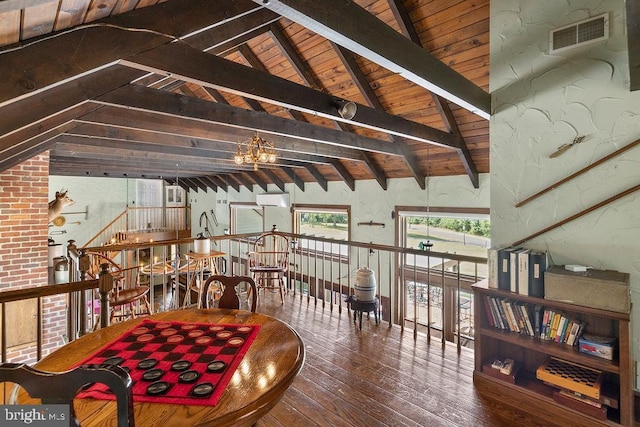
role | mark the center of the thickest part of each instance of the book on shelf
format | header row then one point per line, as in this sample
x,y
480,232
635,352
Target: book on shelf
x,y
534,320
584,405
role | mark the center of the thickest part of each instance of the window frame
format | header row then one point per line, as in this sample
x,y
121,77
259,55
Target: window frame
x,y
297,209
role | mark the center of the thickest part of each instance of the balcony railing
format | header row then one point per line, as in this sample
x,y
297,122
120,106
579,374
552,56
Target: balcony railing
x,y
424,291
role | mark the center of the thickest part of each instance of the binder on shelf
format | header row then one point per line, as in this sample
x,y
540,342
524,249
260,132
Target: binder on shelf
x,y
492,267
504,276
513,269
523,271
538,264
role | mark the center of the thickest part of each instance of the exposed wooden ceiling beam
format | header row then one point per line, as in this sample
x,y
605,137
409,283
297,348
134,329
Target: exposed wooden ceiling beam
x,y
344,173
292,174
376,41
633,41
49,61
275,179
227,179
320,179
232,31
258,180
32,110
244,180
192,65
207,180
142,98
219,182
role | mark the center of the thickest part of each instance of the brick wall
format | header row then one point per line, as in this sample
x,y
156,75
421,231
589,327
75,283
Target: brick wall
x,y
24,232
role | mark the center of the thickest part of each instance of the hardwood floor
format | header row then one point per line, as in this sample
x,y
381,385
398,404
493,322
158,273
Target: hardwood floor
x,y
378,376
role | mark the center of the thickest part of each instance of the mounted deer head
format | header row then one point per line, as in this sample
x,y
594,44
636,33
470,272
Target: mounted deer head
x,y
56,206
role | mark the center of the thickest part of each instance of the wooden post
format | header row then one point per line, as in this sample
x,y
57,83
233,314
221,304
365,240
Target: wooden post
x,y
84,263
105,285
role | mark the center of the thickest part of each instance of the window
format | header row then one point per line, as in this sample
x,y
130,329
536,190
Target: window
x,y
447,230
432,280
331,222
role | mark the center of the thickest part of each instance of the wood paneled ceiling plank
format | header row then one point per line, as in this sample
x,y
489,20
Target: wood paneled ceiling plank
x,y
441,103
370,96
9,26
191,65
372,39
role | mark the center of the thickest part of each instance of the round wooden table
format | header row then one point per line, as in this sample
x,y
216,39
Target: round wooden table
x,y
273,360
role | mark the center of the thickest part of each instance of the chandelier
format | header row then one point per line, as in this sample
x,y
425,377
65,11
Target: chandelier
x,y
255,151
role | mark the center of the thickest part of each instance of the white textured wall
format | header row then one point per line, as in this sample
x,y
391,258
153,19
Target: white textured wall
x,y
105,198
541,101
368,202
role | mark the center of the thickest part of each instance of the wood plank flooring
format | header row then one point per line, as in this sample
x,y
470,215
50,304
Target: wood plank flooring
x,y
378,376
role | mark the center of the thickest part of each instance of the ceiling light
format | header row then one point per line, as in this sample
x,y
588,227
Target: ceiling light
x,y
255,151
346,109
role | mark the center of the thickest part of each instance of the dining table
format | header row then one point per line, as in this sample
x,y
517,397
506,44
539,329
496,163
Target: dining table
x,y
271,362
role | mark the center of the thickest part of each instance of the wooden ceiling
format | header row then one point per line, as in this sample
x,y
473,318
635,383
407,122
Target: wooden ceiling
x,y
146,89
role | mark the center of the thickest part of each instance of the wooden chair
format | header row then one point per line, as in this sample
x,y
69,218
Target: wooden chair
x,y
128,298
62,387
269,261
228,285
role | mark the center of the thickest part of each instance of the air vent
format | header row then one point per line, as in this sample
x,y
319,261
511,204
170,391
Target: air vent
x,y
579,34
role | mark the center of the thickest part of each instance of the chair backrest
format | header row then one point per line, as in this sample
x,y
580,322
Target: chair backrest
x,y
125,277
62,387
229,298
270,250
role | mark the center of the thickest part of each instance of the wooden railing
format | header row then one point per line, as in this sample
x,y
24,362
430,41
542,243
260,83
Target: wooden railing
x,y
135,222
425,291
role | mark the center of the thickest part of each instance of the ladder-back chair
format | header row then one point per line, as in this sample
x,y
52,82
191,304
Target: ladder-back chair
x,y
269,261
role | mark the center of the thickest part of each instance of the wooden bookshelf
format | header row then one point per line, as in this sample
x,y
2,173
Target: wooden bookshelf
x,y
530,352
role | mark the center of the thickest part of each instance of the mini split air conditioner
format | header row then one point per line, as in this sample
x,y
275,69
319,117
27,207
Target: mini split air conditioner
x,y
273,199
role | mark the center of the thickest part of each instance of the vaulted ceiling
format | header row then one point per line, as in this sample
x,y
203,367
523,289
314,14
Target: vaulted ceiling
x,y
131,88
